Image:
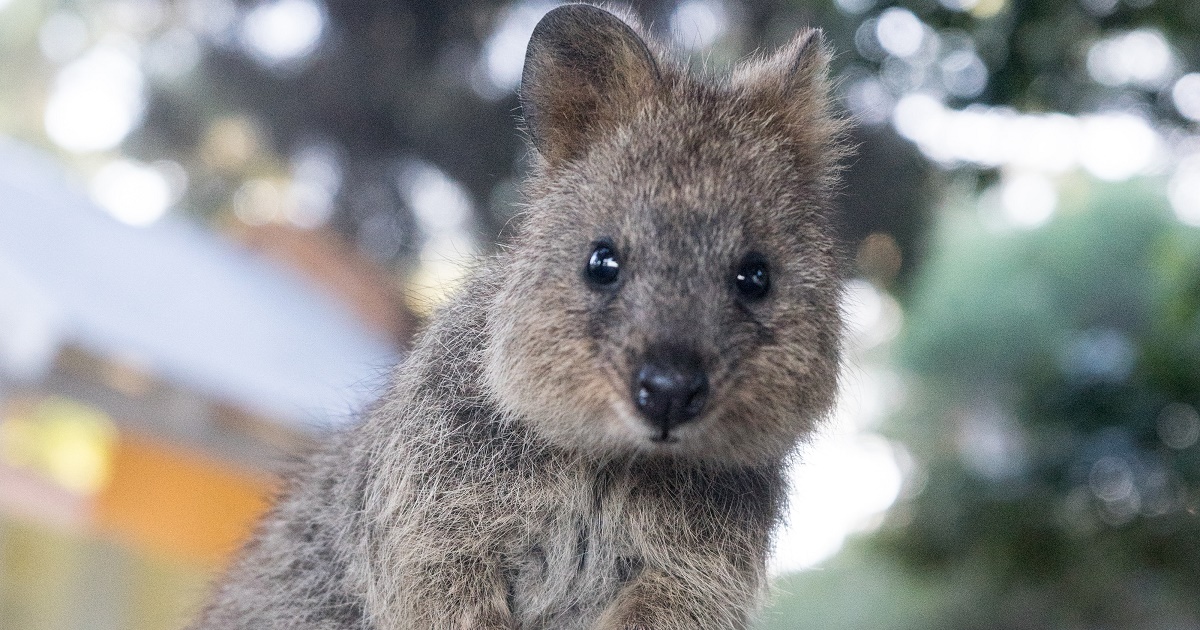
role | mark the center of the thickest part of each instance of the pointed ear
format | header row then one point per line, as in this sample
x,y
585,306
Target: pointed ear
x,y
793,86
585,72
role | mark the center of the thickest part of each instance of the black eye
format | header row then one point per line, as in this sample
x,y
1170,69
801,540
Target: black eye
x,y
603,265
752,278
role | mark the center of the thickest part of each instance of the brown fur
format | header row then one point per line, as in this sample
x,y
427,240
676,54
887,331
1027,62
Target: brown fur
x,y
507,480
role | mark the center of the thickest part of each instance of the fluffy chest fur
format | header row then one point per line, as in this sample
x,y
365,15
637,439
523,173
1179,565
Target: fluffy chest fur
x,y
574,556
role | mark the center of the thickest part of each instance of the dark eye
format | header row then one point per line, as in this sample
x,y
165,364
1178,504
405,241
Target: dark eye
x,y
752,278
603,265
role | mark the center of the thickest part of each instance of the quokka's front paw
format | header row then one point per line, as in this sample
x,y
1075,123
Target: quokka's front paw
x,y
655,602
485,620
635,617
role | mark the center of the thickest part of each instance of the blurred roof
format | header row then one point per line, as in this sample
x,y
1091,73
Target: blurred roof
x,y
172,299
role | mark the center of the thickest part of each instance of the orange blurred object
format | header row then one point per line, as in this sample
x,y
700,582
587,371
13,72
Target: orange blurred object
x,y
173,502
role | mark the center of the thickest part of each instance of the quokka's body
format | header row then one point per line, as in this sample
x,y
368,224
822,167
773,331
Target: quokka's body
x,y
592,433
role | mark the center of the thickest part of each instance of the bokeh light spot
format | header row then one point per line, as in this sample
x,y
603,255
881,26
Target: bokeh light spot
x,y
1186,96
854,7
870,101
991,443
698,24
1184,190
900,32
1111,479
959,5
439,203
872,316
1103,355
842,484
316,180
96,100
503,56
132,193
984,9
258,201
1116,147
1100,8
283,30
963,74
879,257
1142,58
1028,200
1179,425
66,441
230,142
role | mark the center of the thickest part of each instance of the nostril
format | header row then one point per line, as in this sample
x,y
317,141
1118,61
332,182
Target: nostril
x,y
697,396
644,396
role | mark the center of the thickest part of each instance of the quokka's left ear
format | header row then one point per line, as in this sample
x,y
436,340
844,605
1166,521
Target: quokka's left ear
x,y
793,86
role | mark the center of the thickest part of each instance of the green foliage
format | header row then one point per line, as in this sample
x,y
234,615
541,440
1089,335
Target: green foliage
x,y
857,589
1043,366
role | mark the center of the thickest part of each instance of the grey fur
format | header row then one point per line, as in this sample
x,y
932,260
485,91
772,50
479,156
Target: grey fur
x,y
506,480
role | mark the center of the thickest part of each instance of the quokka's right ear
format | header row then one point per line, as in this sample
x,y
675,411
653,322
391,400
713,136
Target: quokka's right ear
x,y
793,85
585,71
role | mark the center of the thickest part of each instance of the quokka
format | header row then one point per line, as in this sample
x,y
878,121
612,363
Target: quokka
x,y
592,434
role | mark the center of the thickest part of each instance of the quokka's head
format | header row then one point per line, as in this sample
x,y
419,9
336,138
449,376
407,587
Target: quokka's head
x,y
673,288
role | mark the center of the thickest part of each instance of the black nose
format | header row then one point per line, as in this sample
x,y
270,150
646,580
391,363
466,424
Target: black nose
x,y
670,390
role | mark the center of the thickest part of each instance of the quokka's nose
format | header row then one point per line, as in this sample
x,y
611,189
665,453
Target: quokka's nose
x,y
669,392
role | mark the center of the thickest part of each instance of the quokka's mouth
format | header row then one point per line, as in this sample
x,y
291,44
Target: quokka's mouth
x,y
658,438
665,438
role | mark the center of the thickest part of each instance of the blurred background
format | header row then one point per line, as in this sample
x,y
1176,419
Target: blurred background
x,y
220,223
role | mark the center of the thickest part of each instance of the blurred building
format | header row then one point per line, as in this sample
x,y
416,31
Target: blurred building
x,y
155,380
